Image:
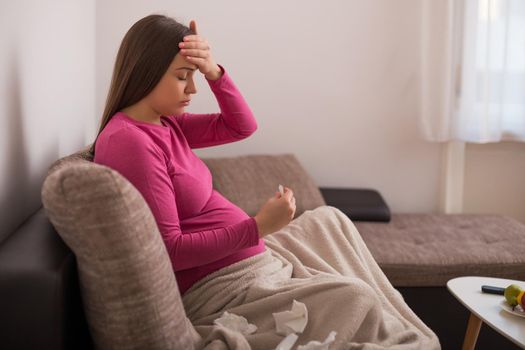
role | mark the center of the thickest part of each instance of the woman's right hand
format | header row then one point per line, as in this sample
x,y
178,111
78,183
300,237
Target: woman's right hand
x,y
276,213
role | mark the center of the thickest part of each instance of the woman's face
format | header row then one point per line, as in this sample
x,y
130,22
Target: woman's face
x,y
173,91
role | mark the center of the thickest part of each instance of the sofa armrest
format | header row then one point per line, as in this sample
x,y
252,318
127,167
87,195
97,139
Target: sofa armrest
x,y
40,300
358,204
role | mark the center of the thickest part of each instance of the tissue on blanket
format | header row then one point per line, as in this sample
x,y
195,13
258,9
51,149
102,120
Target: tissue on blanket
x,y
235,323
293,321
287,342
315,345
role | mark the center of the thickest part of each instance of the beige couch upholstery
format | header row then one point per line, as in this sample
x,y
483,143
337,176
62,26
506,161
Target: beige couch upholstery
x,y
248,181
129,292
426,250
128,287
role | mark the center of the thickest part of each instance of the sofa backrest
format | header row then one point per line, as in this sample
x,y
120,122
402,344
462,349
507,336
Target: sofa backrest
x,y
248,181
127,283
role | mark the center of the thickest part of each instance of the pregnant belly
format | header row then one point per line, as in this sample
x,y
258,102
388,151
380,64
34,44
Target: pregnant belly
x,y
218,212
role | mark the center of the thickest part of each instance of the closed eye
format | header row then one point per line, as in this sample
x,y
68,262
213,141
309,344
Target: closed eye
x,y
190,74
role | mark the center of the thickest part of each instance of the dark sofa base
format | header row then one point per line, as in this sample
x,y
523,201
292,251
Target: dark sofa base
x,y
448,318
40,301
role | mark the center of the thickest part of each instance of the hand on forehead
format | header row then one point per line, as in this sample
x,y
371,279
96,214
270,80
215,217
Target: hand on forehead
x,y
193,28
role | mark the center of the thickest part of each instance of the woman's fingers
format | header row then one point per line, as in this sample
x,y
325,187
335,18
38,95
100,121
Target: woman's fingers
x,y
196,44
195,53
193,37
195,60
193,26
201,44
195,49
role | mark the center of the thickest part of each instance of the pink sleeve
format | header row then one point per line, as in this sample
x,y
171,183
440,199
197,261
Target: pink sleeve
x,y
235,121
141,161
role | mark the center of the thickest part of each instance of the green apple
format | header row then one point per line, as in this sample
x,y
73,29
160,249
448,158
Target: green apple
x,y
511,292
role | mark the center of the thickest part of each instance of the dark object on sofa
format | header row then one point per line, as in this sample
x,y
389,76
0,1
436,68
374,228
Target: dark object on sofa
x,y
359,204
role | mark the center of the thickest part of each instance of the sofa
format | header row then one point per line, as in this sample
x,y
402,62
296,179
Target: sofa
x,y
41,298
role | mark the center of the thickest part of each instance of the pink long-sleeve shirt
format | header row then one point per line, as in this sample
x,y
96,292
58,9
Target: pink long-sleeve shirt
x,y
202,230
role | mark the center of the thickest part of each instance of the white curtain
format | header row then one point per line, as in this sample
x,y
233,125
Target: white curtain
x,y
473,70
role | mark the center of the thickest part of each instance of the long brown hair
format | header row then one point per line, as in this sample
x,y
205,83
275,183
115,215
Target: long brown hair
x,y
146,51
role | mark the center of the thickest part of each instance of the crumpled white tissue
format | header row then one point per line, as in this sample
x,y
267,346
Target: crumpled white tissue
x,y
235,323
315,345
293,321
288,342
287,323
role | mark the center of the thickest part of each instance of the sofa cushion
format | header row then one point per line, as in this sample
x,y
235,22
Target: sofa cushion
x,y
249,181
128,287
429,249
359,204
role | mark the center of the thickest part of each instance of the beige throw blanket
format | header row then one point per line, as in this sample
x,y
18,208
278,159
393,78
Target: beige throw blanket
x,y
319,259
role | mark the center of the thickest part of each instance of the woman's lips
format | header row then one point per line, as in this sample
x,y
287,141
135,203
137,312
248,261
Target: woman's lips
x,y
185,103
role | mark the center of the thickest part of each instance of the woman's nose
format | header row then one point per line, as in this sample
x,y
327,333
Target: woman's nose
x,y
190,88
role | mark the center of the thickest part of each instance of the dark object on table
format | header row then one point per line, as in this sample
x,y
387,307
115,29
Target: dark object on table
x,y
493,290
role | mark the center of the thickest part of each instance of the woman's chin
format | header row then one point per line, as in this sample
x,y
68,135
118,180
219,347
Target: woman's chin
x,y
178,111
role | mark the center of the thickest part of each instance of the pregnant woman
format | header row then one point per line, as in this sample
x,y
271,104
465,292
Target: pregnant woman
x,y
219,257
147,137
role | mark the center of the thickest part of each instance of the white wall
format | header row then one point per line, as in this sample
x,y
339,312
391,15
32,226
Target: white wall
x,y
336,83
494,179
46,95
